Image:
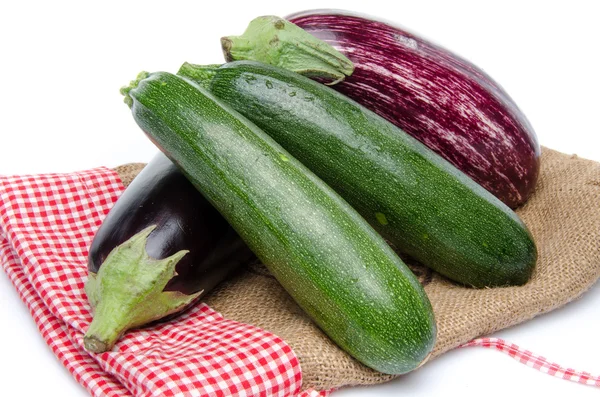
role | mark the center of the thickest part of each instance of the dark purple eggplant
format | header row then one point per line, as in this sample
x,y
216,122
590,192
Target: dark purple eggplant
x,y
161,247
444,101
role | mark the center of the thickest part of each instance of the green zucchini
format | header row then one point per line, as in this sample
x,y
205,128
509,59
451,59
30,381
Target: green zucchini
x,y
331,261
422,204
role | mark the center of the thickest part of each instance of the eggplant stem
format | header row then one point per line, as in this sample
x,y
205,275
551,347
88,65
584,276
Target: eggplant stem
x,y
128,292
94,345
275,41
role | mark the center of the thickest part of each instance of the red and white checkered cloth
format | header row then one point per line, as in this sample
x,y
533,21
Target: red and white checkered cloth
x,y
535,361
47,223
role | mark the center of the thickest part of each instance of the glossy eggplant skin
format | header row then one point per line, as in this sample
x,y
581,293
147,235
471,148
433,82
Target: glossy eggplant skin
x,y
161,195
441,99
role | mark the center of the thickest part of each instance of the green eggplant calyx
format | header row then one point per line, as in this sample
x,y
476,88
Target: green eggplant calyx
x,y
127,292
273,40
132,84
199,74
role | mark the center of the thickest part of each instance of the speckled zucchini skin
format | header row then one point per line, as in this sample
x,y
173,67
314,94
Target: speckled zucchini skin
x,y
420,202
331,261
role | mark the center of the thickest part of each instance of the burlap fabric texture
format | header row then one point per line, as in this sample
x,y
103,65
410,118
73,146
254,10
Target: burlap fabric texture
x,y
564,218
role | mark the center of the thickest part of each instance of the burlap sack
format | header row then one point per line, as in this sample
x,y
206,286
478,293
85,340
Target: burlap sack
x,y
564,218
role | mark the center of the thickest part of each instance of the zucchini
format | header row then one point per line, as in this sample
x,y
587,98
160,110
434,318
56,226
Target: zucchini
x,y
330,260
420,202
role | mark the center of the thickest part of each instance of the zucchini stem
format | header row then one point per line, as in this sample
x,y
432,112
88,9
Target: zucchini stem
x,y
132,84
199,74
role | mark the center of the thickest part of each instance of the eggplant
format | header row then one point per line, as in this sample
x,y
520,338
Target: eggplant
x,y
160,249
444,101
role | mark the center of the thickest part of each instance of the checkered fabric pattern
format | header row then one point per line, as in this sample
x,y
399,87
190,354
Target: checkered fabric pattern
x,y
538,362
47,223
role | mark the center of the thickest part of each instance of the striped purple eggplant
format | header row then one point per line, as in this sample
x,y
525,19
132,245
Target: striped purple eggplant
x,y
446,102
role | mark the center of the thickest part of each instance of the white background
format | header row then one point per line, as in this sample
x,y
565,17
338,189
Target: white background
x,y
62,64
